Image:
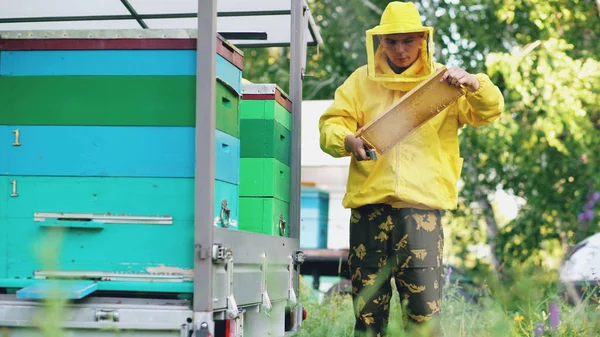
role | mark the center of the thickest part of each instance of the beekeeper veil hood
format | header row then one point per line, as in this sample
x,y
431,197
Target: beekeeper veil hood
x,y
398,18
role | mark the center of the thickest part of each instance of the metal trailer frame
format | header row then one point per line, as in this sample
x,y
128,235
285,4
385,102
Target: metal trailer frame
x,y
206,235
216,250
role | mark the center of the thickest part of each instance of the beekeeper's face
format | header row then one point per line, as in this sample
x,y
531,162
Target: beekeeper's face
x,y
402,49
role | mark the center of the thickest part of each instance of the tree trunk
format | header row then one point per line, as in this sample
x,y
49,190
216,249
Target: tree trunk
x,y
481,197
491,226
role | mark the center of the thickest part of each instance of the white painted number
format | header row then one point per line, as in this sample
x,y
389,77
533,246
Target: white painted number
x,y
14,191
17,135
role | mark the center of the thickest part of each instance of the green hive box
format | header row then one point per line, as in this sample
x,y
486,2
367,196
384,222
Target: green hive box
x,y
266,101
265,146
265,138
134,101
264,177
264,215
265,123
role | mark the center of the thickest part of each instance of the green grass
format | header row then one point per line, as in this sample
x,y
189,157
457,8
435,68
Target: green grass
x,y
512,310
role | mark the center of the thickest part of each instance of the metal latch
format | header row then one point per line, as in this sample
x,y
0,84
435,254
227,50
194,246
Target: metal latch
x,y
106,315
220,253
224,218
282,223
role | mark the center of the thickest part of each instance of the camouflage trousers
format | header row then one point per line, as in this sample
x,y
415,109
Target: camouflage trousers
x,y
400,244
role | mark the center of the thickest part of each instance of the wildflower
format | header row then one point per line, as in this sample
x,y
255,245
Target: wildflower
x,y
554,315
519,318
539,330
448,273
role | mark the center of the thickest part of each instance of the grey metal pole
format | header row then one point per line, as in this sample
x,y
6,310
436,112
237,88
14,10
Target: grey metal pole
x,y
296,74
205,158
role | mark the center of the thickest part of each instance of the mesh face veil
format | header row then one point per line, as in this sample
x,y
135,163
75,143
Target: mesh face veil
x,y
399,18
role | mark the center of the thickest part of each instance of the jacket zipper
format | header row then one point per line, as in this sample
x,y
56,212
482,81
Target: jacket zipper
x,y
398,152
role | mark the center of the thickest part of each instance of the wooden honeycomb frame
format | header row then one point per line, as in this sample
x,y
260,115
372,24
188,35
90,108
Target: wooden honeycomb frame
x,y
413,110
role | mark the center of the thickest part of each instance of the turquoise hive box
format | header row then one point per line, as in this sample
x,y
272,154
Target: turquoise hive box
x,y
314,214
97,155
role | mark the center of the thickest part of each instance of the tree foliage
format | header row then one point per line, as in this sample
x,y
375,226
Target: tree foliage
x,y
544,55
544,148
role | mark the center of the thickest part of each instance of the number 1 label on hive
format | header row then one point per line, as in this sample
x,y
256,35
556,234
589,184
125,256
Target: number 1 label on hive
x,y
17,137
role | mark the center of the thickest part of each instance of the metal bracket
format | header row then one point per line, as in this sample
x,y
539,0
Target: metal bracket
x,y
106,315
223,254
299,258
202,253
203,330
266,305
292,298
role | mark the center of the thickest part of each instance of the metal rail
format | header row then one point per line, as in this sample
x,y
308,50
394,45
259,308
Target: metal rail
x,y
205,161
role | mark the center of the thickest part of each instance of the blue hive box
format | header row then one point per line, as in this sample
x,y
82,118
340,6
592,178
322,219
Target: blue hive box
x,y
314,215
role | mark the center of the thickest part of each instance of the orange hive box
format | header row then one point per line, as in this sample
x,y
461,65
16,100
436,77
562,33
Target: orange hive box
x,y
414,109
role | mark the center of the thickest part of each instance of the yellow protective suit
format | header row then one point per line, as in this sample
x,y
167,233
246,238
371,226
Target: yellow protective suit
x,y
422,171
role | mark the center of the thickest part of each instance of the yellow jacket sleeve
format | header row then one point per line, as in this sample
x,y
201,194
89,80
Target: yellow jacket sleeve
x,y
339,120
480,107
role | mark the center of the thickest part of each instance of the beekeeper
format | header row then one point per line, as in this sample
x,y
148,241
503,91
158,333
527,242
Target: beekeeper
x,y
396,201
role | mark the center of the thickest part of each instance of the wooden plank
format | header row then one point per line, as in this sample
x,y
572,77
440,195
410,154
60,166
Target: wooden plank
x,y
413,110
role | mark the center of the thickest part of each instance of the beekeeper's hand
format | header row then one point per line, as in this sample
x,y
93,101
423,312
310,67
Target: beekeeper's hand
x,y
357,147
457,76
